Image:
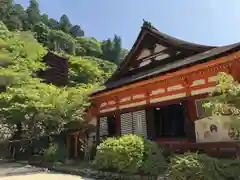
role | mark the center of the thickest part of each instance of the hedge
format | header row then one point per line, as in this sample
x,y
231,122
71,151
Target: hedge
x,y
192,166
130,154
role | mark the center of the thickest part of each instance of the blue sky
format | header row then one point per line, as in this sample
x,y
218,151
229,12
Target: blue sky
x,y
210,22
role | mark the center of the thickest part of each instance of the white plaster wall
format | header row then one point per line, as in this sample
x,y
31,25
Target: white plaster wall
x,y
203,133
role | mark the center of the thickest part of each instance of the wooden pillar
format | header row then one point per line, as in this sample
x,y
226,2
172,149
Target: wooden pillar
x,y
118,122
151,133
192,116
76,145
68,145
234,69
98,131
118,117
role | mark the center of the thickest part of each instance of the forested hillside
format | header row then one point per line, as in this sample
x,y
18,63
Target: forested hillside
x,y
30,108
58,35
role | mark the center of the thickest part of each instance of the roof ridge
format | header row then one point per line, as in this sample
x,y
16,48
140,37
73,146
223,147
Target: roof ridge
x,y
148,24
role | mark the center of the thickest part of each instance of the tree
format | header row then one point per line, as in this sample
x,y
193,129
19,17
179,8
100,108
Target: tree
x,y
14,23
44,19
84,71
19,11
5,9
123,54
91,45
53,24
76,31
107,50
112,49
41,108
116,51
64,24
225,100
33,12
61,42
16,18
42,33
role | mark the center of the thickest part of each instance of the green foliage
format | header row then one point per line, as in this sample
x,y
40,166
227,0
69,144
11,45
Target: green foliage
x,y
40,108
91,46
112,51
194,166
59,36
122,155
42,33
4,33
55,153
129,154
44,19
14,23
89,70
123,54
225,100
76,31
61,42
5,9
36,107
53,23
154,162
65,24
33,13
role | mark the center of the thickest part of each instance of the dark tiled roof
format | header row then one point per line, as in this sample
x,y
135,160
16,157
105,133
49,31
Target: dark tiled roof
x,y
196,59
147,28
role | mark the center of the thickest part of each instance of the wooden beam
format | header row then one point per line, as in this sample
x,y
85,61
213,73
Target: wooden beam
x,y
182,72
152,56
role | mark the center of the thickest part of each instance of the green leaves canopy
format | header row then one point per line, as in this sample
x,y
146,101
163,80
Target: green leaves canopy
x,y
60,36
38,107
42,108
225,99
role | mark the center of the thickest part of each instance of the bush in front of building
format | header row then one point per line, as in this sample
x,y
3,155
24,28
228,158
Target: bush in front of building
x,y
122,154
129,154
194,166
55,153
154,162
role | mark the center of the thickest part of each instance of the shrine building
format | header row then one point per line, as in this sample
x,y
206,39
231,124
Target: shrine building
x,y
158,90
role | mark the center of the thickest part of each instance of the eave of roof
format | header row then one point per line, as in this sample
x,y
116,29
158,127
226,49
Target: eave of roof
x,y
50,53
147,28
196,59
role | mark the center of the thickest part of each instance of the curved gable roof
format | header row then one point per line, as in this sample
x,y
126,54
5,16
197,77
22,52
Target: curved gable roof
x,y
201,53
148,29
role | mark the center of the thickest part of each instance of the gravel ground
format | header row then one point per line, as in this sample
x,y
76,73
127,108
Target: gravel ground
x,y
16,171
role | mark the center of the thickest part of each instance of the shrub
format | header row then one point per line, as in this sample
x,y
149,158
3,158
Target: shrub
x,y
55,153
121,155
193,166
129,154
154,162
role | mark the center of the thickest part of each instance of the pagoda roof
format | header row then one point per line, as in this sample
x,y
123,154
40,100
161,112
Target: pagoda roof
x,y
190,54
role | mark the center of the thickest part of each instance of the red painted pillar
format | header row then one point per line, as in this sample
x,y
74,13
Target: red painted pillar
x,y
192,116
117,117
76,145
234,70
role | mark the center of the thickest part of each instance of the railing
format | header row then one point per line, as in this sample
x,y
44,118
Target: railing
x,y
23,149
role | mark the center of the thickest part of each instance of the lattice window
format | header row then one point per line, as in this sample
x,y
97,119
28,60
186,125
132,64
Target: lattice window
x,y
126,123
103,126
139,123
201,111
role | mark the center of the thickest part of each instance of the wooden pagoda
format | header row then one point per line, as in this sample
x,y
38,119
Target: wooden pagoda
x,y
57,70
158,90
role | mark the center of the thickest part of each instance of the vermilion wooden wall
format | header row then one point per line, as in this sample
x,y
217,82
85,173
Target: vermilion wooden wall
x,y
187,84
